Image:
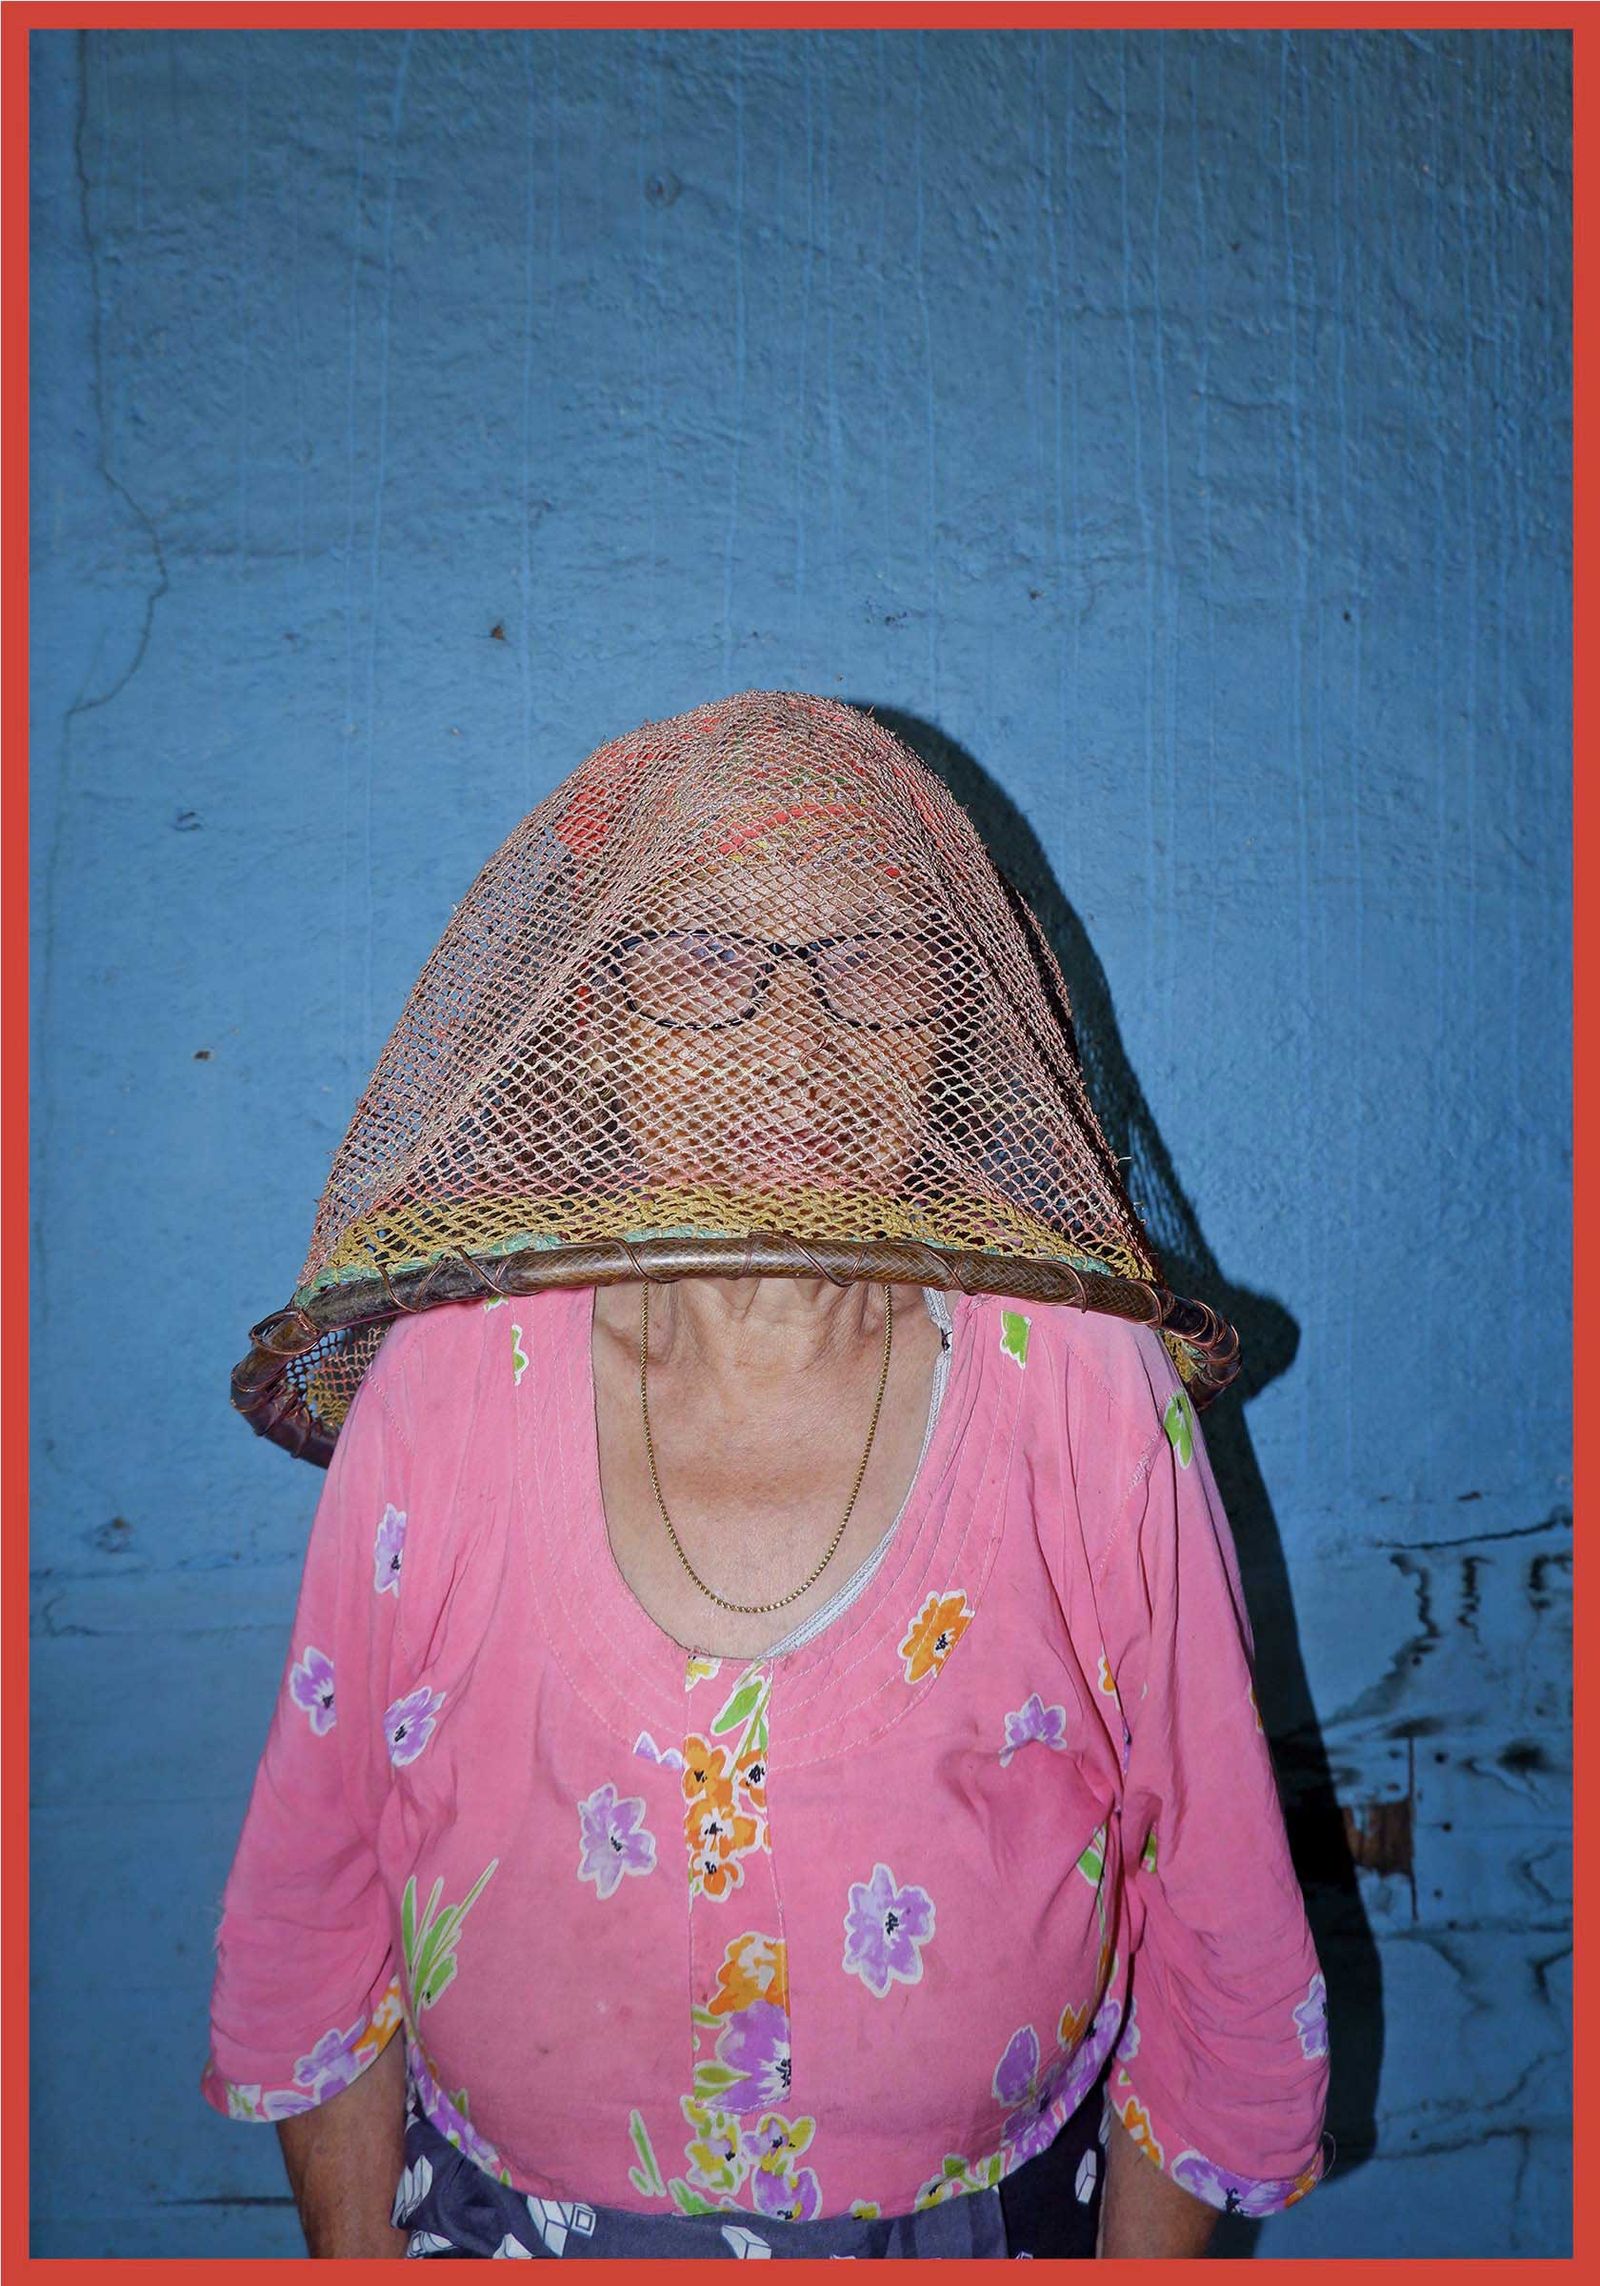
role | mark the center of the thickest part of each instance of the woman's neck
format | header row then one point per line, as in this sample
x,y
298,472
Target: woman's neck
x,y
754,1329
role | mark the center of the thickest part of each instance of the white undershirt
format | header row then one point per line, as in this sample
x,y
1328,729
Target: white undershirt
x,y
861,1578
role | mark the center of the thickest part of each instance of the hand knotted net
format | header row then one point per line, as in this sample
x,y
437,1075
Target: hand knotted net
x,y
744,995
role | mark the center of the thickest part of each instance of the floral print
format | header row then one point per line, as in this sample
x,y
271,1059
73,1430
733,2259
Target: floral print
x,y
311,1688
645,2175
387,1549
1038,2099
1136,2120
754,2048
519,1357
1178,1421
332,2063
725,1816
448,2113
1032,1723
958,2176
934,1634
613,1839
430,1944
1092,1862
885,1930
726,2159
335,2060
1311,2019
750,2069
1128,2045
1014,1328
753,1968
253,2102
1237,2194
664,1757
745,1713
409,1723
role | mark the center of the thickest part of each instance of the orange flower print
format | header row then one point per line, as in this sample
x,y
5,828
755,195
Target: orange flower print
x,y
717,1825
1136,2120
753,1968
935,1632
1074,2023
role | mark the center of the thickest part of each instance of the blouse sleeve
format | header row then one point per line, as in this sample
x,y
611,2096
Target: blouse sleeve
x,y
307,1991
1221,2071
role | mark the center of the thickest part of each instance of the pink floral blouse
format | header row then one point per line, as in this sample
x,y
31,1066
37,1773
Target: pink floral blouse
x,y
849,1929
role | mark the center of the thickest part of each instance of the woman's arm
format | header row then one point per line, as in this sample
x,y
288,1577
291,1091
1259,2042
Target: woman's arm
x,y
1143,2213
345,2158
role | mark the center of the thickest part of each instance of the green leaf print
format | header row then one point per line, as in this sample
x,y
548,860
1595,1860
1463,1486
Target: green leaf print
x,y
742,1705
747,1705
519,1359
689,2202
1178,1421
712,2080
646,2177
430,1947
1014,1330
1093,1861
1147,1856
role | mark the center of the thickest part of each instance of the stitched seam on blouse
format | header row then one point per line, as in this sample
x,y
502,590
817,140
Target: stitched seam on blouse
x,y
871,1564
825,1681
410,1453
1140,1475
826,1684
553,1587
896,1680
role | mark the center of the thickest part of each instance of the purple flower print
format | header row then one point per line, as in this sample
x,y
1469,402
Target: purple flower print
x,y
755,2044
613,1838
408,1724
387,1550
885,1930
1035,2116
286,2103
1311,2019
1234,2194
1088,2058
664,1757
1128,2045
786,2198
1034,1722
1040,2104
311,1688
449,2114
1017,2069
331,2064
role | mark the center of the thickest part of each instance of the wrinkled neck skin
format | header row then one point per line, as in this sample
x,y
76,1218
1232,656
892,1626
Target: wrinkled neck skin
x,y
744,1333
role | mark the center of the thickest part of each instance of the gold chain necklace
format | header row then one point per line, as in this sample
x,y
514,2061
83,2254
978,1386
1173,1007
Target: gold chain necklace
x,y
650,1453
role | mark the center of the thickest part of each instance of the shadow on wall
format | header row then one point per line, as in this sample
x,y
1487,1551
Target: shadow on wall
x,y
1269,1337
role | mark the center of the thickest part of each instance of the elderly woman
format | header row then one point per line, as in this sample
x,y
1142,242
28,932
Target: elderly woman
x,y
769,1716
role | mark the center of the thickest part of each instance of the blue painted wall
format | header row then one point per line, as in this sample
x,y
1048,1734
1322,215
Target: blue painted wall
x,y
1173,430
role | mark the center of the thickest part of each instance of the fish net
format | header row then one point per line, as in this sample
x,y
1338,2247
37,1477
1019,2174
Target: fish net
x,y
743,996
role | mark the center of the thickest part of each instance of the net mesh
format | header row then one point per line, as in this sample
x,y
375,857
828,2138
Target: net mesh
x,y
744,994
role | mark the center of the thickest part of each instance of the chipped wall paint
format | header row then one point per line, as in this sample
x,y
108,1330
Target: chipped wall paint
x,y
1169,432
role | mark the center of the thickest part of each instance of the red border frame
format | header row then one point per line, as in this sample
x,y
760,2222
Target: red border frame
x,y
17,19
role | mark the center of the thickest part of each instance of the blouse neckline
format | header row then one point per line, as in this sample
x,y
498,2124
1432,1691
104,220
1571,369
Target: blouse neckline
x,y
625,1665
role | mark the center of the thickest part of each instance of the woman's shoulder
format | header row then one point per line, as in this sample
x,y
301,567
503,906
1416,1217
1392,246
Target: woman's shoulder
x,y
1089,1362
438,1358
